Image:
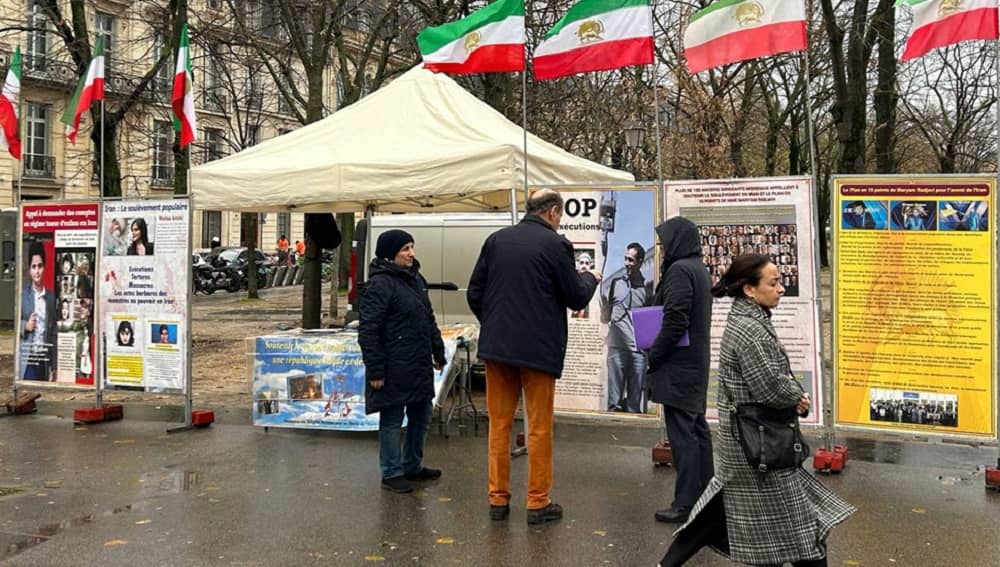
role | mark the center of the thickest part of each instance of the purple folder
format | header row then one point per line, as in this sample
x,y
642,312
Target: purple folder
x,y
647,322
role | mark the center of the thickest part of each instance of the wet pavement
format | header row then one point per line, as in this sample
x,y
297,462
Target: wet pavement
x,y
127,493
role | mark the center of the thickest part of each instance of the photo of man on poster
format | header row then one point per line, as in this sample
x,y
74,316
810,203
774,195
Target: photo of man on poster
x,y
627,289
38,318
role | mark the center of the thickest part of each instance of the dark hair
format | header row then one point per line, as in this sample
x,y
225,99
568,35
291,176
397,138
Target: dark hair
x,y
122,327
543,201
853,204
164,328
745,269
640,251
36,249
143,231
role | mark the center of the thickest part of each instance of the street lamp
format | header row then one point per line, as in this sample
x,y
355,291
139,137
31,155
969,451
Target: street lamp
x,y
634,132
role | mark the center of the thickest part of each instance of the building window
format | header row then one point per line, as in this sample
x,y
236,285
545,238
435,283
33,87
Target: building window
x,y
105,27
163,159
215,147
284,224
214,4
37,161
162,84
215,96
36,54
211,227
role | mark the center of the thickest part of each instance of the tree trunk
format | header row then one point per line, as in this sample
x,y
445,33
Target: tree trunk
x,y
312,298
112,171
252,257
884,23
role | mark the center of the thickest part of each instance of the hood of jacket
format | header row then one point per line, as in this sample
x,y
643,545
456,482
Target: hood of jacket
x,y
679,238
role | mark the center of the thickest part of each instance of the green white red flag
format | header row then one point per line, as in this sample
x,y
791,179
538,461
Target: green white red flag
x,y
938,23
185,120
10,99
490,40
728,31
89,91
596,35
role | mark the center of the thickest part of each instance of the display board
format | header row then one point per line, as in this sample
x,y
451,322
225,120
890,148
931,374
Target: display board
x,y
145,279
603,369
915,303
771,216
316,379
55,331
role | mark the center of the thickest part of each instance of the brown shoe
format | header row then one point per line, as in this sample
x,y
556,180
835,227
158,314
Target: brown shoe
x,y
550,513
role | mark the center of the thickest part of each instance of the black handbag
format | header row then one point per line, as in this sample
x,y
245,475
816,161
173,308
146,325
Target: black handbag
x,y
770,438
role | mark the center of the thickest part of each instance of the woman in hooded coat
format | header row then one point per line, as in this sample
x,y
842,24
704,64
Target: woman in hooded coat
x,y
678,373
401,346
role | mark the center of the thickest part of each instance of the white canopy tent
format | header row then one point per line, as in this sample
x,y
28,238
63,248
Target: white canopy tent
x,y
422,142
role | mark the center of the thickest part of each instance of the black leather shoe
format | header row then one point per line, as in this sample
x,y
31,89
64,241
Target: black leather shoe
x,y
672,516
425,474
499,513
550,513
397,484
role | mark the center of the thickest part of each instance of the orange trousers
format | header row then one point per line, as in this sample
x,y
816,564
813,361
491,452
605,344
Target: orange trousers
x,y
504,384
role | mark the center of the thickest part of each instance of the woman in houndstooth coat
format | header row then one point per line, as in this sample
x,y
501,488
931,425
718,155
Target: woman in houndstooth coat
x,y
771,518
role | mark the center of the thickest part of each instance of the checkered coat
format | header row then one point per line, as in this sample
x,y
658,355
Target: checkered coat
x,y
779,516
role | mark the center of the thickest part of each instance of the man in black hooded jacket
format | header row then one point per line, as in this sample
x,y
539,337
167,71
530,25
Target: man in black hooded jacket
x,y
678,375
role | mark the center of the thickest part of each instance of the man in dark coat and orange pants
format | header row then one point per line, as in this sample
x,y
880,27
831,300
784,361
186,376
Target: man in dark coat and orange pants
x,y
522,285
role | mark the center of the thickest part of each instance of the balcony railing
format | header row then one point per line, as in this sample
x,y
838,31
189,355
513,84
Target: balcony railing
x,y
162,175
39,166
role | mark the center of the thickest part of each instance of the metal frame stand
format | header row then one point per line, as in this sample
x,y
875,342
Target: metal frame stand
x,y
461,394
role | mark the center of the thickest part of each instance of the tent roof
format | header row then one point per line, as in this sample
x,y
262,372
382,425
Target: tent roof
x,y
422,141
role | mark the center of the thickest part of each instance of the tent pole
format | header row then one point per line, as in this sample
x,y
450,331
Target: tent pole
x,y
524,132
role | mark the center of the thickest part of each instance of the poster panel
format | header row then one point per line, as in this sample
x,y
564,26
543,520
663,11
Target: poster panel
x,y
915,303
771,216
316,379
611,231
55,333
145,280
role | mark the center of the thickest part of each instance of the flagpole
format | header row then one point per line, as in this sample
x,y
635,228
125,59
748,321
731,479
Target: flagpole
x,y
524,132
661,195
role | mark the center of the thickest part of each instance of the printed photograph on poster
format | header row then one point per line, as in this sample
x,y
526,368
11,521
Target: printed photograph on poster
x,y
964,215
914,215
39,311
163,333
864,215
917,408
584,263
721,243
75,322
131,236
627,240
124,332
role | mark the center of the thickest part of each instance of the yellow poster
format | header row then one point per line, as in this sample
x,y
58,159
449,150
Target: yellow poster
x,y
914,303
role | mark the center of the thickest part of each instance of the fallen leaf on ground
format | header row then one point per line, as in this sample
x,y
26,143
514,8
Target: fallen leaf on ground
x,y
124,441
374,558
601,533
143,522
919,511
115,543
446,540
444,499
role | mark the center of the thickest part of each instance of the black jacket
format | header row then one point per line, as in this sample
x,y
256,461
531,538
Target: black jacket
x,y
678,376
522,284
399,336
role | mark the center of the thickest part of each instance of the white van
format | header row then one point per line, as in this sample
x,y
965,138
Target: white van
x,y
447,247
